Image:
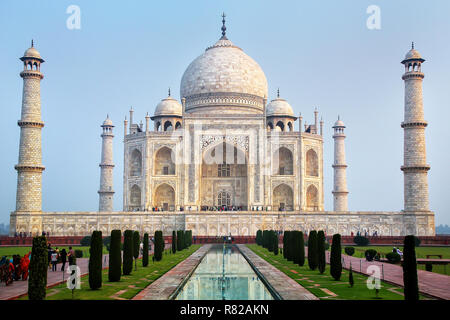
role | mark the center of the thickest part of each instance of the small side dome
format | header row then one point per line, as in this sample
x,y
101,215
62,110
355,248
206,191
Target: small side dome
x,y
279,107
32,53
169,107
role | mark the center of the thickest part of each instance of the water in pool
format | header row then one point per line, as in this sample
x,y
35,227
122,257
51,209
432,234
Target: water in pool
x,y
224,274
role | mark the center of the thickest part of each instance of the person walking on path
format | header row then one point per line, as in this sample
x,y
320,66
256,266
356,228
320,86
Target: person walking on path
x,y
71,256
63,259
54,260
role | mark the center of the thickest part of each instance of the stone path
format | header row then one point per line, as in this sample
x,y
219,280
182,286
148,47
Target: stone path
x,y
286,287
430,283
164,287
20,288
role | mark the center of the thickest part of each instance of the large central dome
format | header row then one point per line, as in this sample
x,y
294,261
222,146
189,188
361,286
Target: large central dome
x,y
224,80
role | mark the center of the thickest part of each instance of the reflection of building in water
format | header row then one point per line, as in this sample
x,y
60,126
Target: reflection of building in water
x,y
224,276
224,146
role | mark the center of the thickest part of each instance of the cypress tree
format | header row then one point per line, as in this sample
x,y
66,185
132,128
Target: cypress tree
x,y
270,240
127,252
159,245
301,249
275,243
145,251
350,276
258,237
136,247
291,246
321,263
285,236
312,250
335,257
179,240
174,241
115,256
410,285
95,260
37,281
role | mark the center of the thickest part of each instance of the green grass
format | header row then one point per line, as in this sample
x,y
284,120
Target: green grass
x,y
421,253
132,284
9,251
313,281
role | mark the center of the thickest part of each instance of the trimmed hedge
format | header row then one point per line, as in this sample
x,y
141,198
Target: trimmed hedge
x,y
335,257
85,241
361,241
393,257
136,247
349,251
301,249
115,256
275,242
285,245
370,254
95,260
259,237
127,252
145,251
78,253
37,281
410,283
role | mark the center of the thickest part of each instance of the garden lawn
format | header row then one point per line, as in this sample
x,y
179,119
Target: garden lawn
x,y
128,286
421,252
9,251
324,286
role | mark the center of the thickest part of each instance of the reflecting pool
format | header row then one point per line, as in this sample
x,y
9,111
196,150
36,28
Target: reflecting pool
x,y
224,274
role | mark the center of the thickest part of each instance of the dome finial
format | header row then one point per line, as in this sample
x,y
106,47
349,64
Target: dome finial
x,y
224,28
169,91
412,45
32,43
278,93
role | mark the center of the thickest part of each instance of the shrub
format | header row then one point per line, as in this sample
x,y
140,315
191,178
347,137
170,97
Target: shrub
x,y
312,250
270,240
291,246
95,260
78,253
85,241
136,247
349,251
416,241
327,245
393,257
107,242
370,254
115,256
321,251
361,241
429,266
37,281
159,245
294,246
410,288
301,249
127,252
187,238
335,257
174,241
145,251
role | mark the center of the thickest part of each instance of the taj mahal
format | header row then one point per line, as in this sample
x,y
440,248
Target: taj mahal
x,y
223,159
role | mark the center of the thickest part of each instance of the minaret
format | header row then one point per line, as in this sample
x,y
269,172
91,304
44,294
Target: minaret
x,y
415,169
340,192
106,191
29,168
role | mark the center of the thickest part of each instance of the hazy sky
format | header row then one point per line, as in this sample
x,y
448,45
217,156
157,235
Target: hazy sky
x,y
319,53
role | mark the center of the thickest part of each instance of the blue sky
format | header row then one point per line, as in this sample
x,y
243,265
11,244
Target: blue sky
x,y
319,53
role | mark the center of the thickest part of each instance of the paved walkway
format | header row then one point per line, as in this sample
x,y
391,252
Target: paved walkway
x,y
430,283
164,287
286,287
20,288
